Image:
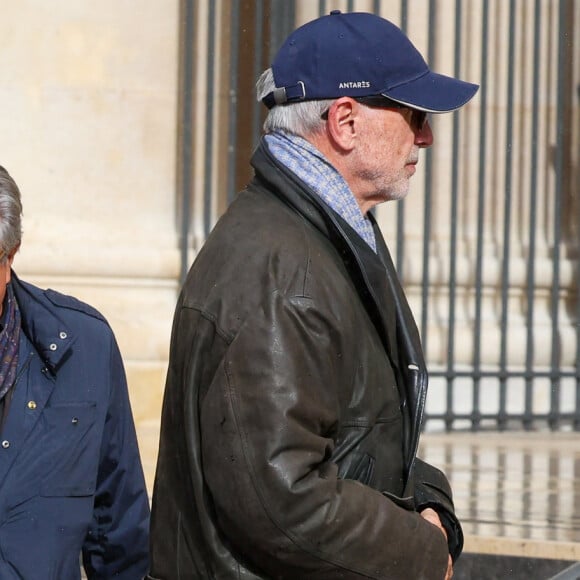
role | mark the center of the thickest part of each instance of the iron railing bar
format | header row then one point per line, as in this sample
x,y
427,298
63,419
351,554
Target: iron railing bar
x,y
453,220
258,66
505,283
282,22
209,127
404,15
577,407
531,275
233,99
558,169
400,255
188,64
480,212
428,197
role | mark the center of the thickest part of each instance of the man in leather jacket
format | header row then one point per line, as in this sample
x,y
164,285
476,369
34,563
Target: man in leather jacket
x,y
296,382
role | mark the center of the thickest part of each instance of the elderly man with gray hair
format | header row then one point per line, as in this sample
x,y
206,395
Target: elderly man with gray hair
x,y
71,482
296,383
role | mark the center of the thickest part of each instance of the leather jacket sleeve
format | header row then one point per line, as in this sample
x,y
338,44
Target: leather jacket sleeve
x,y
433,490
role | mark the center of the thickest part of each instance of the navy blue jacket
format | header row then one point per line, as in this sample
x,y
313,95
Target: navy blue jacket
x,y
71,480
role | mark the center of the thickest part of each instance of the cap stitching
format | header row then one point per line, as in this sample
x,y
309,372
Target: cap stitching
x,y
409,80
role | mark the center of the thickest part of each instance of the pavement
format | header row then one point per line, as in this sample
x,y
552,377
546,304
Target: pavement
x,y
516,493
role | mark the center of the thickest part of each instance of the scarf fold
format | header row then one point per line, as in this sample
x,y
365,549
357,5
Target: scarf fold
x,y
9,342
311,167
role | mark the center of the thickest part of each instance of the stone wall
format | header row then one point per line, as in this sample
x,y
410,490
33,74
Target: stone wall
x,y
88,130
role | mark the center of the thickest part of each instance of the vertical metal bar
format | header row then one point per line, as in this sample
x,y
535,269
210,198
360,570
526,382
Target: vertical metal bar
x,y
505,283
376,6
559,166
282,21
576,422
400,256
477,327
187,124
322,7
531,276
404,15
274,25
454,227
258,60
233,98
350,6
428,196
207,193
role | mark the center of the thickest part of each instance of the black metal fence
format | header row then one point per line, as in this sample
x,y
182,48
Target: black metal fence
x,y
493,272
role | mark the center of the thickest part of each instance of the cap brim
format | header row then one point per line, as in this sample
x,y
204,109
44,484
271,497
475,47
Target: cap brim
x,y
433,93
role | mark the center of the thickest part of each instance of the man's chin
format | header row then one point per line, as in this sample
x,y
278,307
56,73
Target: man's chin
x,y
399,194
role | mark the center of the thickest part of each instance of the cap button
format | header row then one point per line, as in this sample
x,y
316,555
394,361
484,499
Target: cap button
x,y
335,12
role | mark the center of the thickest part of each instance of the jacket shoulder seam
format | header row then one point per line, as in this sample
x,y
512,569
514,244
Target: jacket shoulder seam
x,y
71,303
210,317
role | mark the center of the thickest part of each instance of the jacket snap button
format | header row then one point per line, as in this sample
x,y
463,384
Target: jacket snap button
x,y
5,444
53,346
31,404
75,421
63,335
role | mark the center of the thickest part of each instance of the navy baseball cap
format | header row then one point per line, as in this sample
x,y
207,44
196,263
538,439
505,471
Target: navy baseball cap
x,y
358,54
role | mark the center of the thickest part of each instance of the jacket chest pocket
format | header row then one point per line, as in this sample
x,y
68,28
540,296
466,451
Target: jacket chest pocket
x,y
71,446
372,454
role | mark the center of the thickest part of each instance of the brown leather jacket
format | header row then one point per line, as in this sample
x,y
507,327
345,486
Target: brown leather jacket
x,y
293,405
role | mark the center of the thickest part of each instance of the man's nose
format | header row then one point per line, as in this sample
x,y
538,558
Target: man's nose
x,y
424,135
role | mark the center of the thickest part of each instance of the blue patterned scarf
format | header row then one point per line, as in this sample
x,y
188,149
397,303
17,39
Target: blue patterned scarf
x,y
311,167
9,342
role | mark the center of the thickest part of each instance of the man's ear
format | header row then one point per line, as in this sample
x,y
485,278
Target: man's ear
x,y
342,123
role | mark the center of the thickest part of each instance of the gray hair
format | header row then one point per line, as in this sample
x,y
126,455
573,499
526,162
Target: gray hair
x,y
10,214
302,118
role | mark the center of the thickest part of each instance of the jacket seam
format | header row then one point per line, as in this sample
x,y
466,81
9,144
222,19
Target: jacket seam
x,y
210,317
364,424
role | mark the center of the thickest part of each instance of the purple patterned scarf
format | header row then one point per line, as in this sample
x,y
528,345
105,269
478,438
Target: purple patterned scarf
x,y
9,342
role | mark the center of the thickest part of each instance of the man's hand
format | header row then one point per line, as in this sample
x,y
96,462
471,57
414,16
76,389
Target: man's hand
x,y
433,518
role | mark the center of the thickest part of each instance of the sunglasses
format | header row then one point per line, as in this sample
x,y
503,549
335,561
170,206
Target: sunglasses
x,y
418,118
